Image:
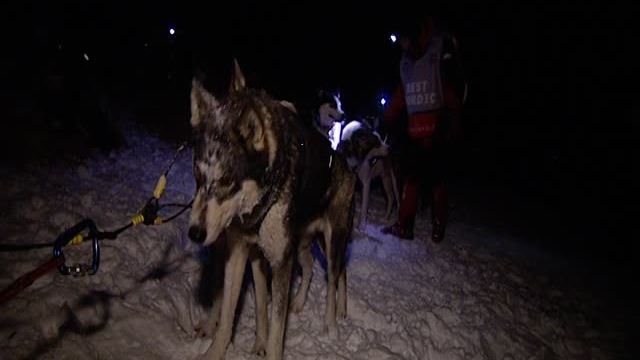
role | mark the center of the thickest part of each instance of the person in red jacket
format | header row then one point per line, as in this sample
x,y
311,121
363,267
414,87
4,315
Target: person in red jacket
x,y
428,70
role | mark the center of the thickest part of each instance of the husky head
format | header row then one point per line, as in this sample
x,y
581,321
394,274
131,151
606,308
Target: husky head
x,y
329,109
234,148
360,141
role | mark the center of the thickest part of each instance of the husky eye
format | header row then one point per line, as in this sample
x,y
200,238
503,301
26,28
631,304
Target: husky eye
x,y
222,187
224,181
200,178
199,171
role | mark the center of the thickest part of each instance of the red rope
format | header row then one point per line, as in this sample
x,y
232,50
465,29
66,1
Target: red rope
x,y
27,279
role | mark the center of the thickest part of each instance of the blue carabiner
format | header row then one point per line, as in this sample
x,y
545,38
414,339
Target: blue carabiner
x,y
63,240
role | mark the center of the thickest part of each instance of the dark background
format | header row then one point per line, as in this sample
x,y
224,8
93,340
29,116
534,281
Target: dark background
x,y
549,128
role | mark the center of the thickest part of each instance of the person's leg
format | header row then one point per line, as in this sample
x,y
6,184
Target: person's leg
x,y
409,204
403,228
440,211
440,199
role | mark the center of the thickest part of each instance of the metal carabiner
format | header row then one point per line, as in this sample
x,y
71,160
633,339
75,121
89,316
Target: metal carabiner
x,y
66,237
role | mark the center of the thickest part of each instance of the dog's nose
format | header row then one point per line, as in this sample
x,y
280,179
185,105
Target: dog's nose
x,y
197,234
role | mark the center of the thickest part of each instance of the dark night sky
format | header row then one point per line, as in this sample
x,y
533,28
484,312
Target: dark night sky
x,y
525,61
550,82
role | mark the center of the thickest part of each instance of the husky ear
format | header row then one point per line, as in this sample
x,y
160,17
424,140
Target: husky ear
x,y
237,79
202,103
252,130
289,106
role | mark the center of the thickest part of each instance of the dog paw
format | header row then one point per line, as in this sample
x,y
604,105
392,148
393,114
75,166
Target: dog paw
x,y
204,356
205,330
202,333
341,314
259,349
297,304
331,331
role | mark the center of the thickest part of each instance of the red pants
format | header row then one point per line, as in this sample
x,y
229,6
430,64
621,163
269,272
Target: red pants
x,y
409,203
425,173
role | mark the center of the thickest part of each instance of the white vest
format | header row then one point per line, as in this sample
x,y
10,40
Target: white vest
x,y
421,79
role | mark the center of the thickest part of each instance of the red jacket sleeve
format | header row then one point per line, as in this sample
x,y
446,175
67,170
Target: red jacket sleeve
x,y
453,106
451,100
396,106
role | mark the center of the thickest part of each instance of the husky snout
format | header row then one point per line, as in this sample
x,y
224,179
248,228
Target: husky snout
x,y
379,151
197,234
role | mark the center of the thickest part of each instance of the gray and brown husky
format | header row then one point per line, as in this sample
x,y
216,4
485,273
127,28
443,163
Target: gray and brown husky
x,y
267,181
369,158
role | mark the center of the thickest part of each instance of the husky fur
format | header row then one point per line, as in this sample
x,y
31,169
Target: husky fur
x,y
327,116
333,229
369,157
266,180
211,286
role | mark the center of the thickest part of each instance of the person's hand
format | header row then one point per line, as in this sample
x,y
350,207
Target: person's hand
x,y
384,130
455,133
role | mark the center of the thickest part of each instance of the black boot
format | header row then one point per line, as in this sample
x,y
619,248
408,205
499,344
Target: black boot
x,y
402,232
439,213
437,230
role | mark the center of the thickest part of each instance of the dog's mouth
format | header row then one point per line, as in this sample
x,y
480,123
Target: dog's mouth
x,y
219,214
218,217
335,118
211,237
208,219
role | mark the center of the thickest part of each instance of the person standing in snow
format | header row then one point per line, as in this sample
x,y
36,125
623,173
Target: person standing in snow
x,y
429,74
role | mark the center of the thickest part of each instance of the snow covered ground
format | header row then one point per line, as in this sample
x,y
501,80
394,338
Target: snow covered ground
x,y
475,296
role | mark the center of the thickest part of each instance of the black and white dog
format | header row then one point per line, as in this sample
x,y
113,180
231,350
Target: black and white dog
x,y
327,116
367,155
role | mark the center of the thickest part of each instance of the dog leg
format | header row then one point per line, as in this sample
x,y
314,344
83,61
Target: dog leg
x,y
341,312
280,285
208,327
305,259
341,274
234,271
214,280
364,209
389,190
330,311
258,267
394,182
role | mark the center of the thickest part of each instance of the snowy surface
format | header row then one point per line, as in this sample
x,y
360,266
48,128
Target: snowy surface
x,y
471,297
